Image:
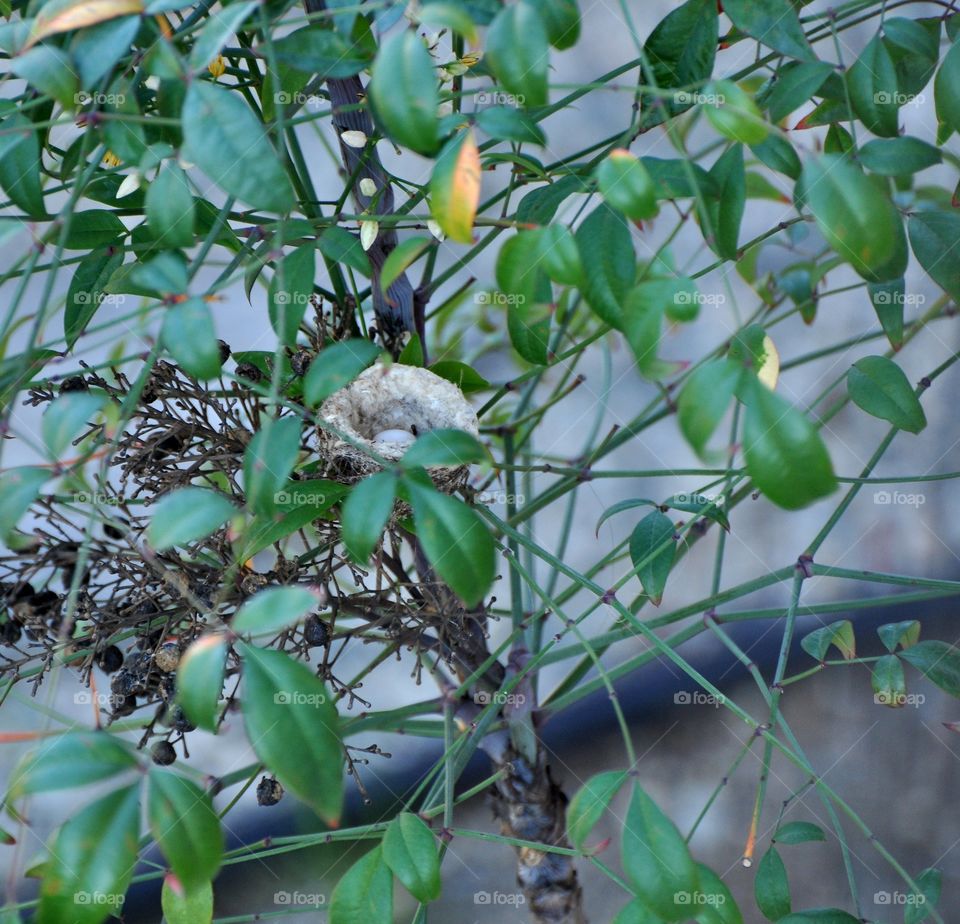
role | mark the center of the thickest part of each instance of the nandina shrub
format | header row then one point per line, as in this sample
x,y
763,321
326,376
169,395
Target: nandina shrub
x,y
200,538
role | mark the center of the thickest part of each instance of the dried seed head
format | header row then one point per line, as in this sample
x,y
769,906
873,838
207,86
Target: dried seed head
x,y
269,791
167,657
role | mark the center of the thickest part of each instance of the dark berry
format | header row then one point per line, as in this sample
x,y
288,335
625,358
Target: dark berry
x,y
249,372
315,632
224,351
73,383
110,659
269,791
10,632
113,532
123,706
163,753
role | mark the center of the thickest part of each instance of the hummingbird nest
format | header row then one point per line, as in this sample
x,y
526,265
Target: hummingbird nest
x,y
382,412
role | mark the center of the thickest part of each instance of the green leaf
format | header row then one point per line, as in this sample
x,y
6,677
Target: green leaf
x,y
560,256
290,291
86,290
888,681
920,904
185,826
642,322
773,23
465,377
403,91
170,212
97,50
858,220
294,728
187,514
19,488
657,859
217,29
229,144
298,504
784,453
798,832
274,609
878,386
93,228
336,366
562,21
365,514
733,113
319,51
589,804
165,274
508,124
839,634
704,400
200,676
898,156
456,541
626,184
190,337
50,71
888,300
770,886
410,850
340,246
529,329
636,912
778,154
65,418
452,15
609,262
933,237
793,85
444,447
365,893
874,91
906,633
721,217
192,907
718,903
20,164
820,916
455,187
518,53
540,205
400,259
268,460
92,860
938,662
914,46
652,549
680,53
70,760
945,89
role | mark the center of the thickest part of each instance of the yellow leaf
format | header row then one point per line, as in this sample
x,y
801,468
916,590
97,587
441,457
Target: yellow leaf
x,y
769,372
79,16
455,188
